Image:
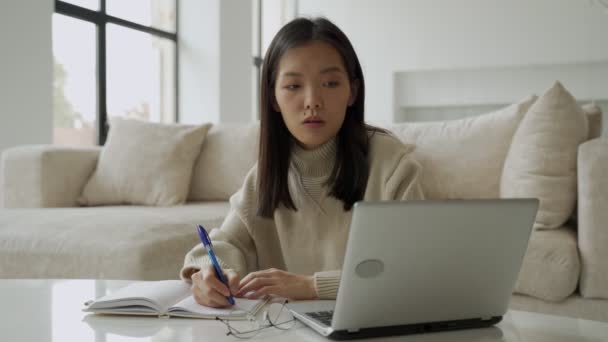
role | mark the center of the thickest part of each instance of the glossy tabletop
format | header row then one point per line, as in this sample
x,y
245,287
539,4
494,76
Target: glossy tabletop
x,y
50,310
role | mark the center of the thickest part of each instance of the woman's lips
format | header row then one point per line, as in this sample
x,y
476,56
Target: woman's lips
x,y
313,122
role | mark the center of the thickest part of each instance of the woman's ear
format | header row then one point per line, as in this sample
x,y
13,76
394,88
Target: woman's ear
x,y
354,91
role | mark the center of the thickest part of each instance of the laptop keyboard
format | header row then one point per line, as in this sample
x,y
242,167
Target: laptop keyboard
x,y
321,316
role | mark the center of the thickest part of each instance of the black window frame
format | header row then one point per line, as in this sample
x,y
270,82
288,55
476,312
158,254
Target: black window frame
x,y
100,19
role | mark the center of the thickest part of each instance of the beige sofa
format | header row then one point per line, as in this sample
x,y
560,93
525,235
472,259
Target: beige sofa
x,y
44,234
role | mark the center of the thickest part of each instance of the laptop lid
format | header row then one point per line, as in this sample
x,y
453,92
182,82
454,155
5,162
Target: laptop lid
x,y
428,261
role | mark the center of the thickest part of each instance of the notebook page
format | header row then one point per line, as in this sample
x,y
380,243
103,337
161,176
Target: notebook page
x,y
242,308
158,295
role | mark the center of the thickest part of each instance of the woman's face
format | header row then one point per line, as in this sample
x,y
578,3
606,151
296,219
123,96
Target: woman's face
x,y
312,92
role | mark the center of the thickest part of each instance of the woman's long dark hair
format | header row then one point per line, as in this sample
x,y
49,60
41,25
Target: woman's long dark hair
x,y
348,178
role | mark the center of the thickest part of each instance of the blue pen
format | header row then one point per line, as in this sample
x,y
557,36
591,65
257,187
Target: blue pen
x,y
216,265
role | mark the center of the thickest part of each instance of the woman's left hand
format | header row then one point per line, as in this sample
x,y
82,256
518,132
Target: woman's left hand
x,y
277,282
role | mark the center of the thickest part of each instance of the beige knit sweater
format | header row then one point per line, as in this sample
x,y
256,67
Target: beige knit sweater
x,y
311,240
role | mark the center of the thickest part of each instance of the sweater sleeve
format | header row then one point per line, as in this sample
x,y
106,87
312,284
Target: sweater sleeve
x,y
326,284
404,182
232,242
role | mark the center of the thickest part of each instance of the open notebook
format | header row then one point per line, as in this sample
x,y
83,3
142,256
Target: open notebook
x,y
167,298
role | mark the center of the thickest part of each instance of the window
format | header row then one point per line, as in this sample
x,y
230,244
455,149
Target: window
x,y
112,58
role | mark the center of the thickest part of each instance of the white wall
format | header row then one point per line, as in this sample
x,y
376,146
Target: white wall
x,y
275,13
236,61
215,59
392,36
198,35
26,72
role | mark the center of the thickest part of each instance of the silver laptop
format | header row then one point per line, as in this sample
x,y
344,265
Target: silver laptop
x,y
425,266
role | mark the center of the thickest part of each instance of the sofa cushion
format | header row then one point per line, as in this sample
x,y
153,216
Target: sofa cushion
x,y
541,162
593,217
122,242
229,152
551,266
463,158
573,306
145,163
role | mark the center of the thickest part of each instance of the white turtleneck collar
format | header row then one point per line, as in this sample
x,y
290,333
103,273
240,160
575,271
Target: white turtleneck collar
x,y
316,162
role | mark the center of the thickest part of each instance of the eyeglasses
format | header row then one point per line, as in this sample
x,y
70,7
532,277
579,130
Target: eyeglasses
x,y
275,316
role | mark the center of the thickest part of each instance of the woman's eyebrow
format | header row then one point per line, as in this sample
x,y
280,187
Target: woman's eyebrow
x,y
331,69
291,74
323,71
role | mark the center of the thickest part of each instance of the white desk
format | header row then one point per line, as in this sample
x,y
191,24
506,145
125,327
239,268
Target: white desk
x,y
50,310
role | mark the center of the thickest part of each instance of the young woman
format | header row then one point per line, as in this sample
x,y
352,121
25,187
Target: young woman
x,y
287,228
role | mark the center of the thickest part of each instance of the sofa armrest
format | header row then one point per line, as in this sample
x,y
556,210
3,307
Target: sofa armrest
x,y
39,176
593,217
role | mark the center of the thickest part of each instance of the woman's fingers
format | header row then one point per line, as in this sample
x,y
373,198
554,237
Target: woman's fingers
x,y
212,298
264,291
208,290
201,292
218,299
211,280
233,280
269,273
278,282
256,283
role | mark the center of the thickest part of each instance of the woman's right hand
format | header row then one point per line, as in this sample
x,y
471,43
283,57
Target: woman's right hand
x,y
208,290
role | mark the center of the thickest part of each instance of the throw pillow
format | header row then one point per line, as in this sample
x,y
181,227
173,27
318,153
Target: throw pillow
x,y
463,158
145,163
541,162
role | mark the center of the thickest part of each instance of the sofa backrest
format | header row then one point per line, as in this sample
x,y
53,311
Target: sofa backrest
x,y
594,118
229,151
464,158
460,158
